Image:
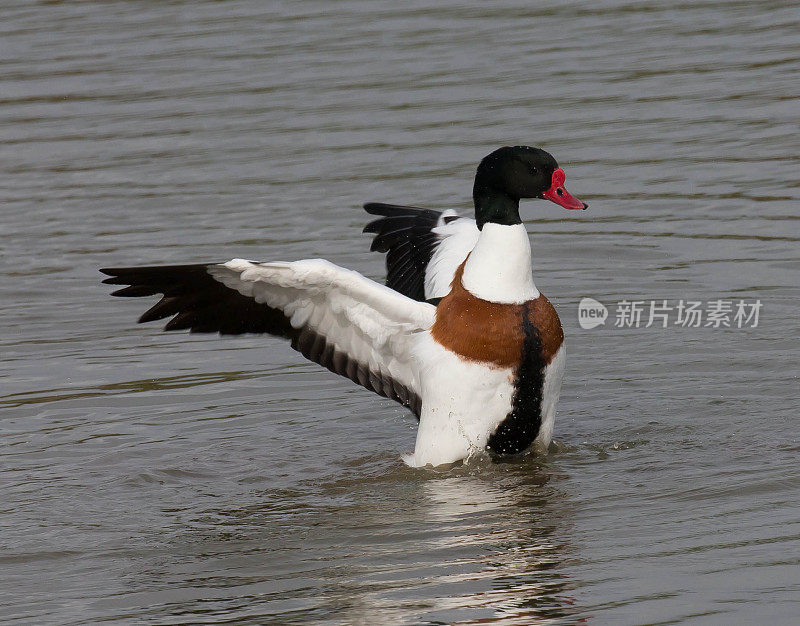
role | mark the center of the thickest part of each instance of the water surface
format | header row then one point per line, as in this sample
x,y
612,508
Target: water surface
x,y
169,478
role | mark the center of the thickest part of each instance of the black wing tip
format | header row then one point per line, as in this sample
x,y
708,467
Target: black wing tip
x,y
374,208
133,269
390,210
135,291
374,226
115,275
149,274
116,280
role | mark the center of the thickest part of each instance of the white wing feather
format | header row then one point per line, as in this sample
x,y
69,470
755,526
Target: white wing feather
x,y
458,238
367,321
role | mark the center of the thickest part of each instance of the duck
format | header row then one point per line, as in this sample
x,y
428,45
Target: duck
x,y
459,333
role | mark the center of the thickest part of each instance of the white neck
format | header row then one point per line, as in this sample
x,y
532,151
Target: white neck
x,y
499,267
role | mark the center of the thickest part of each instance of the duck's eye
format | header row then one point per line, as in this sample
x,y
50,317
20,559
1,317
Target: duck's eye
x,y
533,169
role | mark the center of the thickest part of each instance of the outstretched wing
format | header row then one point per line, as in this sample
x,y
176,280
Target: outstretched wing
x,y
335,317
423,247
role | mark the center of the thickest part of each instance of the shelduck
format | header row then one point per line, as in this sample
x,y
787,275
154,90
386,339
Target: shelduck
x,y
460,334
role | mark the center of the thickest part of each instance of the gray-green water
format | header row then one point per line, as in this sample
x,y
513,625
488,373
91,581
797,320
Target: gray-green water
x,y
147,477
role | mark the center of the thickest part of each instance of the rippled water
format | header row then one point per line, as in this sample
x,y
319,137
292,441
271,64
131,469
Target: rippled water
x,y
148,477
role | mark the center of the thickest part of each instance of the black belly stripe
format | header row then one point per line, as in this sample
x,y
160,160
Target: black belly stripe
x,y
521,426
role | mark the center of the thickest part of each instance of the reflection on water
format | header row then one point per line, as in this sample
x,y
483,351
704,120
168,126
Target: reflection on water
x,y
479,544
179,479
511,524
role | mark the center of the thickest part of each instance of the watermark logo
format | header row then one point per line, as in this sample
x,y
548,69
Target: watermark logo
x,y
591,313
668,313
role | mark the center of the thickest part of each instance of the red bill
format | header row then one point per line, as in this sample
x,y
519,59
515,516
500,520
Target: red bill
x,y
559,194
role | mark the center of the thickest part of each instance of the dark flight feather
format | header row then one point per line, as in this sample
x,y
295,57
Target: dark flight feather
x,y
199,303
404,234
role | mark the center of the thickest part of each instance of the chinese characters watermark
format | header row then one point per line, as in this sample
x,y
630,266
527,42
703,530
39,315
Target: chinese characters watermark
x,y
670,313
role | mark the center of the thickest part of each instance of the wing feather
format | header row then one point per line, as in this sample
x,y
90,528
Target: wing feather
x,y
333,316
423,247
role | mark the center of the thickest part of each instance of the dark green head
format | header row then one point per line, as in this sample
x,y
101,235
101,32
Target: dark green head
x,y
511,173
